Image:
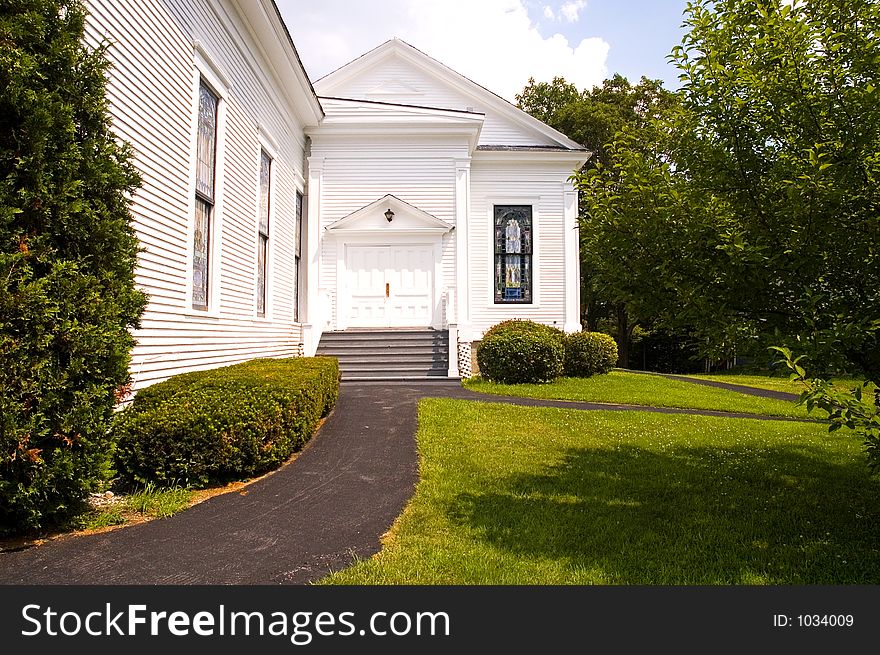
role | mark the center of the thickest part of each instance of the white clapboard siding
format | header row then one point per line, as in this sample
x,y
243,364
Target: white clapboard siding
x,y
396,80
150,89
495,183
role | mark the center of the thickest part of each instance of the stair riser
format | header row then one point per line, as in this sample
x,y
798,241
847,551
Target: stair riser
x,y
388,361
411,355
354,351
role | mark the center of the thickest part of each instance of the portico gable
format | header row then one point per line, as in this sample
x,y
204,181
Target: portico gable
x,y
388,266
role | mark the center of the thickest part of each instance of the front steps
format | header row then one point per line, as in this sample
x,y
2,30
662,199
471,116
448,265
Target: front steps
x,y
418,354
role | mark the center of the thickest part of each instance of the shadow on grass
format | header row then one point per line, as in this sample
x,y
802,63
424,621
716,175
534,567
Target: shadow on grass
x,y
690,516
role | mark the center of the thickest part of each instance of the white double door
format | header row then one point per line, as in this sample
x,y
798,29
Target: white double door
x,y
389,286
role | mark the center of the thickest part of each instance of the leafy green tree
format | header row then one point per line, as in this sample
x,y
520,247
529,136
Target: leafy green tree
x,y
545,100
785,130
67,258
593,118
647,233
758,197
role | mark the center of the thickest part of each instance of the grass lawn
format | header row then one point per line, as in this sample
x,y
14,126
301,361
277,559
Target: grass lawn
x,y
774,383
639,389
514,495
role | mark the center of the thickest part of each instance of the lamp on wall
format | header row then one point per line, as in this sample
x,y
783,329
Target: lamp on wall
x,y
389,215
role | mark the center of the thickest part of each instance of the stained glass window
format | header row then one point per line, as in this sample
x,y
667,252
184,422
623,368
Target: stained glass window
x,y
200,254
206,151
297,237
206,142
263,236
513,254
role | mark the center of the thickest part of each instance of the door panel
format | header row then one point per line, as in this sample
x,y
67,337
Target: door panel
x,y
410,283
367,268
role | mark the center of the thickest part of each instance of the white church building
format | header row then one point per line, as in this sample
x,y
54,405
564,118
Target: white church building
x,y
390,211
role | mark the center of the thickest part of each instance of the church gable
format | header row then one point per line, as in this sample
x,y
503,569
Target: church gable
x,y
398,73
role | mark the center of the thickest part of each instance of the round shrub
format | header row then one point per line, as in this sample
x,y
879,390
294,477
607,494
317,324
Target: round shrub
x,y
589,353
515,352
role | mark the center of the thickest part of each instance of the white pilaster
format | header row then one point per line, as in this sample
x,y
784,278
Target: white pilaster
x,y
462,252
313,322
572,260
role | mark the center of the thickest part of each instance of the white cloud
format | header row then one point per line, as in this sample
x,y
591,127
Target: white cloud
x,y
493,42
571,10
548,12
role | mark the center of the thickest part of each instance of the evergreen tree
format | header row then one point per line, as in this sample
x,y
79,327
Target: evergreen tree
x,y
67,257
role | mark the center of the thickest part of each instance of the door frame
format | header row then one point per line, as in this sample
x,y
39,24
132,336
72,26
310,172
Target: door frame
x,y
342,306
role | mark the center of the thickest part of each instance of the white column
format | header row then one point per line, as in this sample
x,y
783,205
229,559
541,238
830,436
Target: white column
x,y
313,322
572,260
462,252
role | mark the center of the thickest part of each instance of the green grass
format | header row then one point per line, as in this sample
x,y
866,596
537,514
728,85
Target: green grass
x,y
514,495
774,383
143,503
640,389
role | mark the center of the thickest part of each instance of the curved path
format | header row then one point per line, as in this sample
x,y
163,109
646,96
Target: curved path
x,y
314,515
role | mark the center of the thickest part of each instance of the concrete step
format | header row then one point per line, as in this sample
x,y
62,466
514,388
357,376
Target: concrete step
x,y
398,380
401,354
384,336
407,368
393,375
392,360
354,350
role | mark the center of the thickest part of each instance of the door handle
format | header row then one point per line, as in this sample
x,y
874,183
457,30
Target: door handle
x,y
387,289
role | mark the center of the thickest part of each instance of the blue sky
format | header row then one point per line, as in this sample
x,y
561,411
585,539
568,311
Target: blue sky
x,y
497,43
640,33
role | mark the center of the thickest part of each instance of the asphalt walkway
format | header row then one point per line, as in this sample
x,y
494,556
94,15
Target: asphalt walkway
x,y
312,516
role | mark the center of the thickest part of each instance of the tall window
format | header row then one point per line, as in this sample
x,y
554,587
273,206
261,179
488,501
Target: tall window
x,y
206,149
263,231
513,254
297,249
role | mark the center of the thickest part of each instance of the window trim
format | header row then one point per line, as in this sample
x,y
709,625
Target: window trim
x,y
205,71
299,202
208,200
260,235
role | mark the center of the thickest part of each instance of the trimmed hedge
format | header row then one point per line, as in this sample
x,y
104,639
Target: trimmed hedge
x,y
224,424
515,352
589,353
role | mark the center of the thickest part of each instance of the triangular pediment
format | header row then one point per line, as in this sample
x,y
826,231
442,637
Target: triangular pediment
x,y
405,218
398,72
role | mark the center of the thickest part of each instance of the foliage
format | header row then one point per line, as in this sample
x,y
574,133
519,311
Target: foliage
x,y
223,424
589,353
521,351
785,130
67,259
666,351
594,118
547,100
747,213
844,408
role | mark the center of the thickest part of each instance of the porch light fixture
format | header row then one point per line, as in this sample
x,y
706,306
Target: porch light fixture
x,y
389,215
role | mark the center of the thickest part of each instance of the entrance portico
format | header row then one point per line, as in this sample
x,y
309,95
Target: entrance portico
x,y
388,266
